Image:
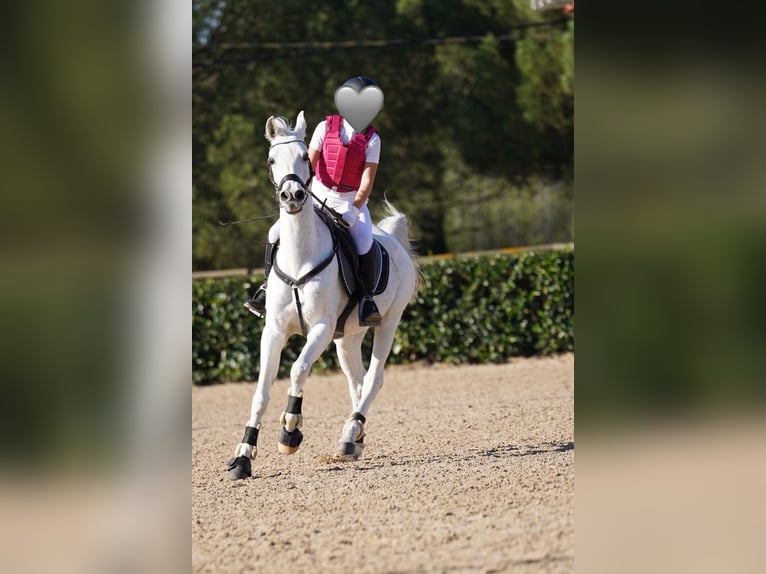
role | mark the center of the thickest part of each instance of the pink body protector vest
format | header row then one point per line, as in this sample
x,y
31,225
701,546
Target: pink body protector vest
x,y
339,165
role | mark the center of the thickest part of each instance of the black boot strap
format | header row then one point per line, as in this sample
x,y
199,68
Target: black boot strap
x,y
294,405
358,417
251,436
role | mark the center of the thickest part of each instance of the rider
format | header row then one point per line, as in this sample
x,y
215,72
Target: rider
x,y
345,162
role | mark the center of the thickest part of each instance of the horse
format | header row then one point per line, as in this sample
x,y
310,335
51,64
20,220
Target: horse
x,y
307,297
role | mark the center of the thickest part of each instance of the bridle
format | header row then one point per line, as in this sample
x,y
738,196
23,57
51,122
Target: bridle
x,y
305,185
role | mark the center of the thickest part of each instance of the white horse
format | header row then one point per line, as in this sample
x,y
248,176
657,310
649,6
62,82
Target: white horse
x,y
306,245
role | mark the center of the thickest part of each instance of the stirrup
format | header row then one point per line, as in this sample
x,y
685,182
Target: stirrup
x,y
257,303
369,315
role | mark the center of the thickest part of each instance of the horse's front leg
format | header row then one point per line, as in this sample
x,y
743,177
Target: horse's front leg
x,y
317,340
272,343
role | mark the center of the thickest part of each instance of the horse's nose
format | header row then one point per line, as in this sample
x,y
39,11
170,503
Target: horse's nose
x,y
290,195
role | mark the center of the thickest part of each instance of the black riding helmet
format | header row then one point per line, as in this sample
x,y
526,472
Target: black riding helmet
x,y
358,83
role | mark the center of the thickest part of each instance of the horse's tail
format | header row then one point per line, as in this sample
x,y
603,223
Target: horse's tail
x,y
395,224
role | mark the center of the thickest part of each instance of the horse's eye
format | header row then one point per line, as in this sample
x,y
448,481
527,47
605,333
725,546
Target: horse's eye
x,y
305,156
271,161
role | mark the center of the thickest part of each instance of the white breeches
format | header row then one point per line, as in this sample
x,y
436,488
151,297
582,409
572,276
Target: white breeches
x,y
361,231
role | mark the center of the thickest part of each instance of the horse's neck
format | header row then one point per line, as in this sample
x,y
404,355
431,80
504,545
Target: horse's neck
x,y
302,244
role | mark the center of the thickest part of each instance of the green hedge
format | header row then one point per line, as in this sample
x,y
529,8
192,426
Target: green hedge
x,y
471,310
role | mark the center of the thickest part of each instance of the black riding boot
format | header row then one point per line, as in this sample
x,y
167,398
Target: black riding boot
x,y
257,304
369,316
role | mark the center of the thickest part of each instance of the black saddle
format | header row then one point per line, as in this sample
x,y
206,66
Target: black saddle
x,y
348,263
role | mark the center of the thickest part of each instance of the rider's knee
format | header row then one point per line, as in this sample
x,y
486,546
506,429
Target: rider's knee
x,y
364,246
362,238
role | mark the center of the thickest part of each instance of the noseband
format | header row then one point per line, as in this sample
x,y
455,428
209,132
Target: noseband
x,y
291,176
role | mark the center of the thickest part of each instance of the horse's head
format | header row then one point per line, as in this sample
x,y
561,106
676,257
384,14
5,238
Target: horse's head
x,y
289,167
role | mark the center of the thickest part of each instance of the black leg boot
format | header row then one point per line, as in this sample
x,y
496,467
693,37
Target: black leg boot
x,y
369,316
257,304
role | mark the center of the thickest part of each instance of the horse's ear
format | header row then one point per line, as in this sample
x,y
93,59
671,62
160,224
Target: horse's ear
x,y
300,125
271,130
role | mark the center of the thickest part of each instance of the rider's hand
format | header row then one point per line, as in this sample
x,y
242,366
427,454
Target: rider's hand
x,y
351,215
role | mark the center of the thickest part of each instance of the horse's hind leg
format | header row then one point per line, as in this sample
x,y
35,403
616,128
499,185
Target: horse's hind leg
x,y
317,339
349,351
351,441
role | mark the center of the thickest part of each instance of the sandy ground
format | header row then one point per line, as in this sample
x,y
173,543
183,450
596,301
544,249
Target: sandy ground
x,y
466,469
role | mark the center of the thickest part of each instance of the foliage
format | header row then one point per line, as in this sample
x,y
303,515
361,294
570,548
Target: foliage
x,y
501,213
460,118
472,310
545,94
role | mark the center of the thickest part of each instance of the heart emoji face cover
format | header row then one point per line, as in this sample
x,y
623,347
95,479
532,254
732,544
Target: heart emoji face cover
x,y
359,108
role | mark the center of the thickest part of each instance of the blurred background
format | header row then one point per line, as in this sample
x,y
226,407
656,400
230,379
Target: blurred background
x,y
670,283
95,164
477,126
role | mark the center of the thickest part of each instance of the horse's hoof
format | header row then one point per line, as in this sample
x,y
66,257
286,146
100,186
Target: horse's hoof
x,y
289,441
239,467
348,451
